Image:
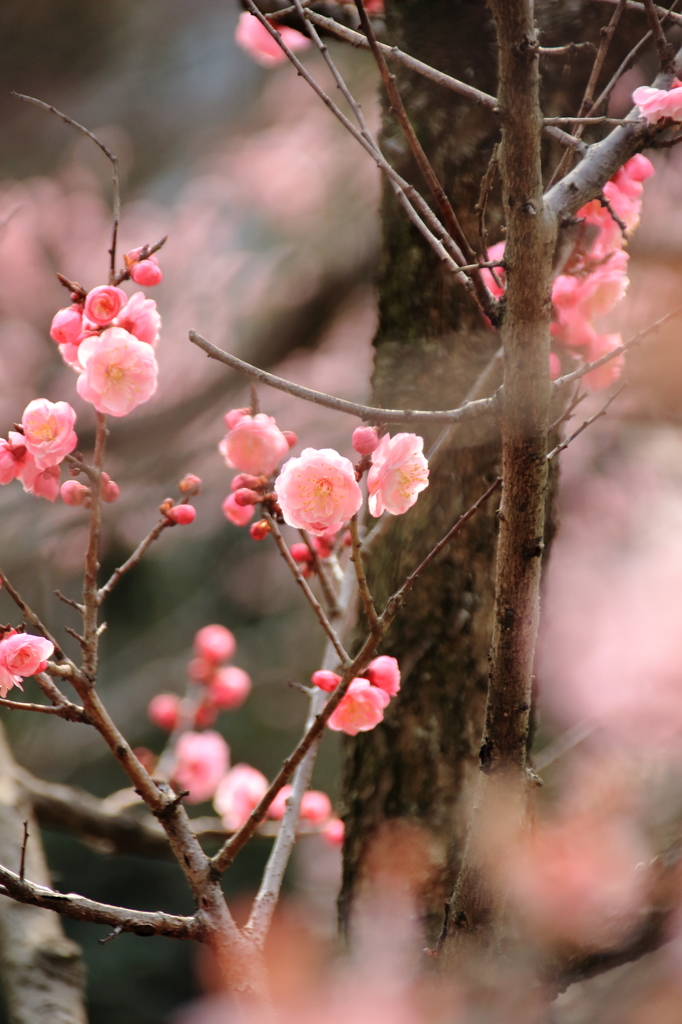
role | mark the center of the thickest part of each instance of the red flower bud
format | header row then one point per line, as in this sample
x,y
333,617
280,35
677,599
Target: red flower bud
x,y
182,514
301,553
190,484
291,437
260,530
245,496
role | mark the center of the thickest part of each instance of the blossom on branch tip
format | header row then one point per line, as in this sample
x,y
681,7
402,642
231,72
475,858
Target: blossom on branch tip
x,y
74,493
182,515
360,709
239,515
22,655
119,372
656,104
255,445
164,710
254,39
238,793
144,271
229,687
48,431
399,472
215,643
67,325
190,484
202,758
140,318
384,672
104,303
318,491
325,680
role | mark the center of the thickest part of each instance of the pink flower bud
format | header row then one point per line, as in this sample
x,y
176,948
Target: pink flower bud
x,y
301,553
325,679
238,793
74,493
245,496
365,440
315,806
229,687
104,303
323,547
233,417
190,484
291,437
202,759
164,710
215,643
260,530
384,672
67,325
333,831
246,480
110,490
146,272
239,515
182,514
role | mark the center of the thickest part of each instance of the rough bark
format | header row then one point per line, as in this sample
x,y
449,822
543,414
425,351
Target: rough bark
x,y
42,971
431,345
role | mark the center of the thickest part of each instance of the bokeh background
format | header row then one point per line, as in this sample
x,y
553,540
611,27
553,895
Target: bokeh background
x,y
272,218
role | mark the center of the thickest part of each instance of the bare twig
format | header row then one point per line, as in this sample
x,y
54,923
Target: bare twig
x,y
82,909
634,5
110,156
601,412
310,597
90,592
67,600
565,51
30,616
22,862
133,560
45,709
586,120
372,414
363,589
666,53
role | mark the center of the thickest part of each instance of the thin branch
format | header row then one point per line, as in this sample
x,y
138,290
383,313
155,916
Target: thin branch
x,y
372,414
485,299
363,588
483,99
30,616
45,709
666,53
90,592
110,156
22,862
79,908
133,560
634,5
310,597
586,120
321,573
601,412
67,600
565,51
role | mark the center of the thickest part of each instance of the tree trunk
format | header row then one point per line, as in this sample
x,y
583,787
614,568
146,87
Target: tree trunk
x,y
431,346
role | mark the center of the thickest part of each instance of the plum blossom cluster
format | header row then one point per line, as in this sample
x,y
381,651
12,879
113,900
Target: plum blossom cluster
x,y
21,655
362,706
109,339
318,491
34,451
201,759
595,277
657,104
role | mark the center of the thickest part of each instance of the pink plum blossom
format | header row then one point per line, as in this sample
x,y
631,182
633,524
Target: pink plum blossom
x,y
202,758
120,372
182,515
67,325
365,440
13,457
316,806
254,38
70,355
361,708
74,493
140,318
233,416
656,104
48,431
164,710
238,793
229,687
595,293
239,515
22,654
215,644
325,680
43,483
384,672
398,473
146,272
104,303
255,444
318,491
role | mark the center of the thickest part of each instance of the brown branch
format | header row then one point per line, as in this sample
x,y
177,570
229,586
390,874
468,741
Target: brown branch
x,y
133,560
634,5
310,597
372,414
30,616
564,51
375,625
110,156
601,412
79,908
90,594
77,715
666,53
321,573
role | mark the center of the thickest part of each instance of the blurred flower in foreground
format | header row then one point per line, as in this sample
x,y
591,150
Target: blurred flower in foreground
x,y
254,38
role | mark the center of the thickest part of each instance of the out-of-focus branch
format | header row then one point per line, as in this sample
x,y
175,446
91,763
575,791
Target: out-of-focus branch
x,y
42,971
634,5
372,414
